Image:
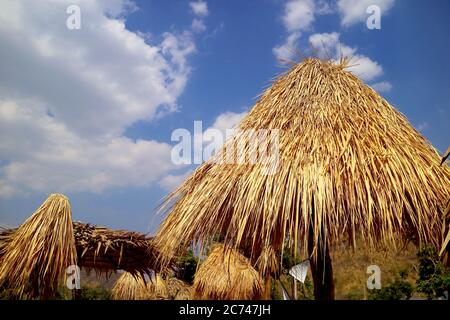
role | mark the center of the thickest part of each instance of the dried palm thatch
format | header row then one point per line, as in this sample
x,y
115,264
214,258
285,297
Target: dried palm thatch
x,y
130,287
136,287
104,249
5,237
37,254
227,275
349,165
445,248
178,289
158,288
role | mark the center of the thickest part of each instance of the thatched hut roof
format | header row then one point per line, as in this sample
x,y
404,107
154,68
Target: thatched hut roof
x,y
227,275
349,165
106,250
34,258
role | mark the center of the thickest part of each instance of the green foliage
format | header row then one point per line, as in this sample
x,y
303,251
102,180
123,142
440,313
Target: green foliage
x,y
187,265
305,290
96,293
400,289
289,260
85,293
434,277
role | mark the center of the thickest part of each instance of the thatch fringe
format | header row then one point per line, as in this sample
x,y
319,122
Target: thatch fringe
x,y
227,275
135,287
104,249
178,289
350,165
36,255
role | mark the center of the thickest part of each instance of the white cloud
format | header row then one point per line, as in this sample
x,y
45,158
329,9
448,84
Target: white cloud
x,y
228,120
223,122
323,7
171,182
298,14
200,8
67,96
45,155
198,26
328,46
286,51
382,86
354,11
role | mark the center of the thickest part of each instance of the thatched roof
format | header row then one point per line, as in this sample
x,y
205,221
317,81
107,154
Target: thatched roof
x,y
34,258
349,165
178,289
104,249
227,275
445,248
135,287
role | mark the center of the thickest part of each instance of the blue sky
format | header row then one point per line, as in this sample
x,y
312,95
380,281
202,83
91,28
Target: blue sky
x,y
90,112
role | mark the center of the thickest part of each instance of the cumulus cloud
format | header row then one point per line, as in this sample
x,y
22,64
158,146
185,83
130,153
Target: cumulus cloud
x,y
286,51
298,16
67,96
171,182
200,8
354,11
228,120
328,46
198,26
383,86
222,124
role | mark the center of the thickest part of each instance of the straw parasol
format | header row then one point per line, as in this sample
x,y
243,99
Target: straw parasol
x,y
348,165
227,275
178,289
36,255
135,287
445,248
105,250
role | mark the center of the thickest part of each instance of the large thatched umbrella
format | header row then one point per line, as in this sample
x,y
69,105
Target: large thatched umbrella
x,y
349,165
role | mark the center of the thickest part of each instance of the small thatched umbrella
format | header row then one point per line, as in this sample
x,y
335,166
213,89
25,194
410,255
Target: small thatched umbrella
x,y
178,289
227,275
348,164
135,287
36,255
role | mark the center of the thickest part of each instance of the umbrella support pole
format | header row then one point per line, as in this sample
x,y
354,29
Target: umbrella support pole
x,y
322,271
